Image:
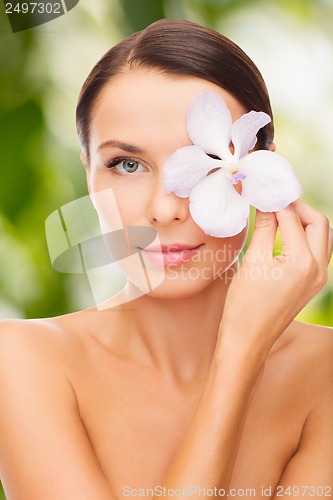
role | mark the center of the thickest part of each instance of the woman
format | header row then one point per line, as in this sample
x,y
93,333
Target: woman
x,y
202,386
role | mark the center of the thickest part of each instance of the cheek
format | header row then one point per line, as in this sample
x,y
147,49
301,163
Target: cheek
x,y
118,202
131,201
107,208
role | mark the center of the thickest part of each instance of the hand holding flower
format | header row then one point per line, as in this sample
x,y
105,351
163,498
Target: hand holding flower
x,y
268,181
258,310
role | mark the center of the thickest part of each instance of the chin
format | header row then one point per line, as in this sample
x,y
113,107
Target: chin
x,y
182,283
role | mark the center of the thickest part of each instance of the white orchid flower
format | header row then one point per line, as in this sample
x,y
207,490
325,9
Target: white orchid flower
x,y
268,181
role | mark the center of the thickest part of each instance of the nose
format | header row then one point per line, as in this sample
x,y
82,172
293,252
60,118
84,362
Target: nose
x,y
165,209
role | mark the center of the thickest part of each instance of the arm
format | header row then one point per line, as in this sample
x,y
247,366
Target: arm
x,y
44,449
309,474
208,453
256,313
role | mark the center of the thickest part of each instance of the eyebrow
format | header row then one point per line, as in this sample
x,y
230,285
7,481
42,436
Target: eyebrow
x,y
131,148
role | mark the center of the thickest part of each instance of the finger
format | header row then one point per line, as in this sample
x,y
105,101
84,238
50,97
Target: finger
x,y
292,231
264,233
316,226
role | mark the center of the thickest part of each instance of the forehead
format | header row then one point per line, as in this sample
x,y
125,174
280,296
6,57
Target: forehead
x,y
146,105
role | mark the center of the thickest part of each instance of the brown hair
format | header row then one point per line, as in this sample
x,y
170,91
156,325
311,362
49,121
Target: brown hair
x,y
179,48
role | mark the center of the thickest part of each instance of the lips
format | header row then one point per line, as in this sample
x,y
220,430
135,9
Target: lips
x,y
173,254
172,247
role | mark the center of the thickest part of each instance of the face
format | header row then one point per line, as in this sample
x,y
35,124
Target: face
x,y
138,121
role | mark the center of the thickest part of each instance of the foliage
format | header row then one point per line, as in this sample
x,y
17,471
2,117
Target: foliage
x,y
141,14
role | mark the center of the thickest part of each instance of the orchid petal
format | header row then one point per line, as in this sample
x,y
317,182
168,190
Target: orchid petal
x,y
244,131
216,206
184,168
270,183
209,124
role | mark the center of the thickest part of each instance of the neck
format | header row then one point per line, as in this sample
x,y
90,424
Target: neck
x,y
176,335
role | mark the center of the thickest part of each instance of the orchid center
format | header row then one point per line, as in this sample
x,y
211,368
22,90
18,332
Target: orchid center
x,y
232,172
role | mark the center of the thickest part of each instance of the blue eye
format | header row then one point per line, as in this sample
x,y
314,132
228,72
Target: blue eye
x,y
130,166
125,165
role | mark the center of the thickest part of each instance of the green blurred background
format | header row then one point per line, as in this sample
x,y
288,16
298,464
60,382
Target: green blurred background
x,y
41,72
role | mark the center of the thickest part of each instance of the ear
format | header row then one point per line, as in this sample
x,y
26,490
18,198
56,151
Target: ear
x,y
85,163
272,147
83,160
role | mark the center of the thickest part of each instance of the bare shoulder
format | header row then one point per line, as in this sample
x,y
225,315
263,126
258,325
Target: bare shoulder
x,y
48,347
45,452
41,341
306,352
317,342
313,343
306,359
34,353
56,338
